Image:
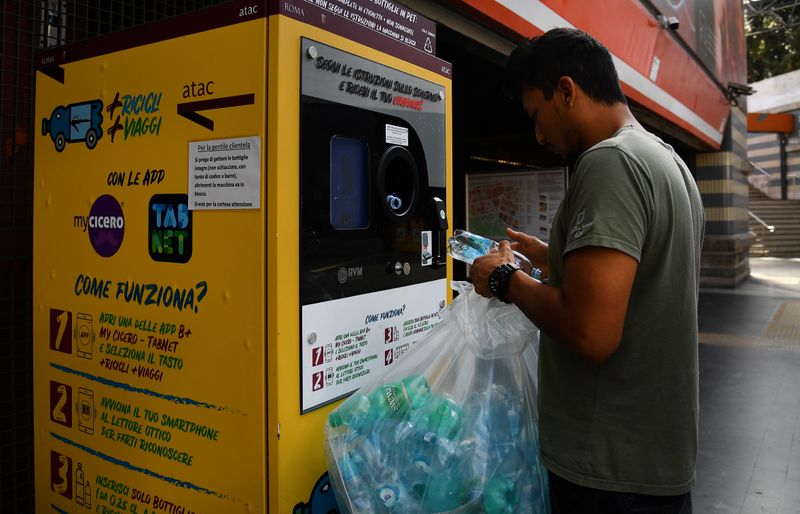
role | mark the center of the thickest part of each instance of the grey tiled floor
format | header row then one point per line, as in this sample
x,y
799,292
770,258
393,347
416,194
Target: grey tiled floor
x,y
749,454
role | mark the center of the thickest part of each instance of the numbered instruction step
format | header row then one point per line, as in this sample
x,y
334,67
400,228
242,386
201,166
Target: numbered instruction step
x,y
141,348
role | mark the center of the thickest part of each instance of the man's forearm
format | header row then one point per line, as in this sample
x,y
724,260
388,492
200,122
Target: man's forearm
x,y
549,309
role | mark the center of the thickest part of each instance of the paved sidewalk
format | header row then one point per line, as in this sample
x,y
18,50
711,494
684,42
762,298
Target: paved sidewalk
x,y
769,276
749,455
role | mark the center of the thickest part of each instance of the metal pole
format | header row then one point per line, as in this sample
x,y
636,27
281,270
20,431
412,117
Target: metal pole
x,y
784,168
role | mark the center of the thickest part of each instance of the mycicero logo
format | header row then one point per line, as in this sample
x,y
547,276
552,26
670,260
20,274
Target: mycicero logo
x,y
106,225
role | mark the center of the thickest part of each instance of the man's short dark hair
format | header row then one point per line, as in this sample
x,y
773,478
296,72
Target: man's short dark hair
x,y
540,61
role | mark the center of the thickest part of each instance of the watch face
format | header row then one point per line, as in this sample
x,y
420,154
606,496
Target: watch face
x,y
493,283
497,281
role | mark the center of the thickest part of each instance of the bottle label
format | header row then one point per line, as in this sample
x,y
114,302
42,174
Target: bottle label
x,y
396,396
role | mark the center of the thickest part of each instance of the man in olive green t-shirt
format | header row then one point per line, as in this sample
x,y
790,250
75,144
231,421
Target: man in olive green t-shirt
x,y
618,374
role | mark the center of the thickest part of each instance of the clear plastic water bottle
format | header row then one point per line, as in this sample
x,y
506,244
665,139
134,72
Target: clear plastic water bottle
x,y
354,468
393,399
465,246
500,496
419,449
477,435
443,417
353,414
505,412
445,491
392,493
423,454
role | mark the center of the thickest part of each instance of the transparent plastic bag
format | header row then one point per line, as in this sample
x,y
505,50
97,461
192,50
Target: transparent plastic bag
x,y
452,427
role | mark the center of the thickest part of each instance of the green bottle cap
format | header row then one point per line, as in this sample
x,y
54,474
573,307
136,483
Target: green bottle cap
x,y
352,412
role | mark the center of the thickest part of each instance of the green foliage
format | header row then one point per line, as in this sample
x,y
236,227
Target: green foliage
x,y
773,37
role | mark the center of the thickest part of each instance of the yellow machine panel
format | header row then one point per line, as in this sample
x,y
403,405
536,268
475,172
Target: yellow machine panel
x,y
293,468
148,316
239,217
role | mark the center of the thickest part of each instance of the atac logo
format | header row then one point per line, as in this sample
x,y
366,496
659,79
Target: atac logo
x,y
170,228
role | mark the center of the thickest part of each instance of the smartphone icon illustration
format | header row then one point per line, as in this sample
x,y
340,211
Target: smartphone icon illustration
x,y
84,335
86,410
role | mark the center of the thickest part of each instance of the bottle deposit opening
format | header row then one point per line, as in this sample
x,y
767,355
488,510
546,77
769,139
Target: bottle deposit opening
x,y
398,183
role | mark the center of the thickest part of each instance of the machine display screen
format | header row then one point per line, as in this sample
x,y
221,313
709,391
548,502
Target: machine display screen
x,y
349,201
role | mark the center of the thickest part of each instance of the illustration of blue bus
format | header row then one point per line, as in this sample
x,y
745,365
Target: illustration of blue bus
x,y
75,122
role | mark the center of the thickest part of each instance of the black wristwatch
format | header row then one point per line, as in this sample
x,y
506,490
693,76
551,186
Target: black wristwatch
x,y
499,279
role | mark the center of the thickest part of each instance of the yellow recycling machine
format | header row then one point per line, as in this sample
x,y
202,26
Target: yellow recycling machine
x,y
240,217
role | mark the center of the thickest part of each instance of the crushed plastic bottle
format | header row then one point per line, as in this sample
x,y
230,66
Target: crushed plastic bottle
x,y
465,246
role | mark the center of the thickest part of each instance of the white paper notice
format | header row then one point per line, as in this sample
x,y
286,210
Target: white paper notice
x,y
225,173
396,135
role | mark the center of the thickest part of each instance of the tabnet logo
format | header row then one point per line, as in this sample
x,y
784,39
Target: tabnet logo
x,y
106,226
170,228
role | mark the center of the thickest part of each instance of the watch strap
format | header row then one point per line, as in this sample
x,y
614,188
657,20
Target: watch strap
x,y
499,280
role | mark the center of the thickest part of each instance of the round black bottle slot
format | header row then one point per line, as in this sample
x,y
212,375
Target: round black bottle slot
x,y
398,183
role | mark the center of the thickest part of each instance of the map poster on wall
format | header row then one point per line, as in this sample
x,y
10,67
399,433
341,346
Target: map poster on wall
x,y
526,201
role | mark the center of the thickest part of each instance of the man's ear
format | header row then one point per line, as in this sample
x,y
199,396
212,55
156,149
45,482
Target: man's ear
x,y
566,89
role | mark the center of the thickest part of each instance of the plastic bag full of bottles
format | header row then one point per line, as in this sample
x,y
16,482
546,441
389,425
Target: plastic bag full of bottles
x,y
451,428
